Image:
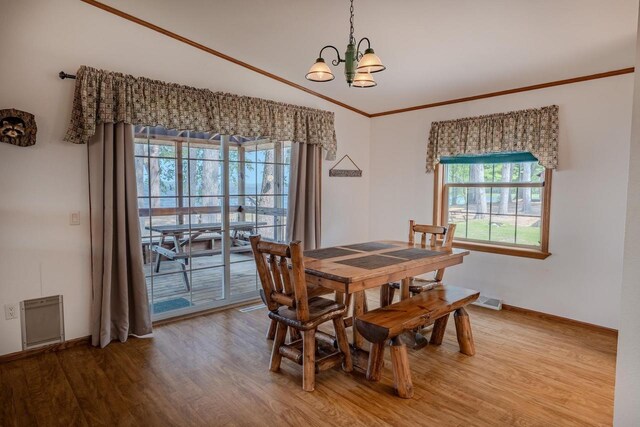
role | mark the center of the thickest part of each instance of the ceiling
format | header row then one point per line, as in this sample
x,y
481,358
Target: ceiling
x,y
434,50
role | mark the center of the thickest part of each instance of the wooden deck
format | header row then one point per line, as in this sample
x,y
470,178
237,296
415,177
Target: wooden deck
x,y
213,370
206,278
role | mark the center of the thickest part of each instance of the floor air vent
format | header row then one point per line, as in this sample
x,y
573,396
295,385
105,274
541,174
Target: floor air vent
x,y
42,321
492,303
251,308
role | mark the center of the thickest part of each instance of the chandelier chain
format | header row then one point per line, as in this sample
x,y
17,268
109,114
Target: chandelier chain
x,y
352,39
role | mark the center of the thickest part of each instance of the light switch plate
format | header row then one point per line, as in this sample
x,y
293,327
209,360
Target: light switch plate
x,y
74,218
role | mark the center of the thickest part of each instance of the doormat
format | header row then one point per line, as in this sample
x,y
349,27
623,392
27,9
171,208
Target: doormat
x,y
172,304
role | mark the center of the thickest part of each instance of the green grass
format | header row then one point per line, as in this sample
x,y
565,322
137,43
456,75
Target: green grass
x,y
500,232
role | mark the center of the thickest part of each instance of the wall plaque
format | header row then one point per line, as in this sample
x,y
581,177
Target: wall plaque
x,y
17,127
352,173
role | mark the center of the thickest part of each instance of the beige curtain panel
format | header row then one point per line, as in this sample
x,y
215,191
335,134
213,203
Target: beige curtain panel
x,y
304,209
108,97
533,130
120,305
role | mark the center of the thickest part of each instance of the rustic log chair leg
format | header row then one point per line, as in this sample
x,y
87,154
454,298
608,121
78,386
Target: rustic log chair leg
x,y
439,327
278,341
376,361
309,360
343,343
401,369
463,330
420,340
271,332
294,334
392,292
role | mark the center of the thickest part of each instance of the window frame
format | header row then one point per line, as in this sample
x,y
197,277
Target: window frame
x,y
439,213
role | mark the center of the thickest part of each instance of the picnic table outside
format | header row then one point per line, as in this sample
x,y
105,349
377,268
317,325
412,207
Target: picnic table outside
x,y
183,235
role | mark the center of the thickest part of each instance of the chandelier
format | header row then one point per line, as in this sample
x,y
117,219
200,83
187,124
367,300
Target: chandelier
x,y
358,66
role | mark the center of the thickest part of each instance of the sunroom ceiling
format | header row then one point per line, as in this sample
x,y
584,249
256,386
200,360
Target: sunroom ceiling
x,y
162,133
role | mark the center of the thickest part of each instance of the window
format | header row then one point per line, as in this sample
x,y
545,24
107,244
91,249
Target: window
x,y
200,196
499,203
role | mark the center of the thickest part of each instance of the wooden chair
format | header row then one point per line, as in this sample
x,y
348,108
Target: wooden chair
x,y
431,236
281,271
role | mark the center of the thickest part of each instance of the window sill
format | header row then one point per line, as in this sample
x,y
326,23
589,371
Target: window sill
x,y
502,250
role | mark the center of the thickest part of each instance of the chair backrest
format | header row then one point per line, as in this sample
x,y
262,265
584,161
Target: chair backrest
x,y
439,237
281,271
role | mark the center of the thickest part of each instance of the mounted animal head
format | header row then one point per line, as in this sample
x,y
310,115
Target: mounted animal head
x,y
12,127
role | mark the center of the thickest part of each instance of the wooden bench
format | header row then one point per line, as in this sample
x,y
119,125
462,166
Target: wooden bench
x,y
389,323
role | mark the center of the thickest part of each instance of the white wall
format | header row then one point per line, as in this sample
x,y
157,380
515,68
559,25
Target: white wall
x,y
627,395
581,280
41,254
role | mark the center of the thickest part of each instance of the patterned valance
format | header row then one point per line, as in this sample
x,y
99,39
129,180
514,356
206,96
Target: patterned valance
x,y
534,131
105,97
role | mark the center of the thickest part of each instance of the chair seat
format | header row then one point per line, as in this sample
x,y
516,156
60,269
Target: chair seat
x,y
317,290
320,310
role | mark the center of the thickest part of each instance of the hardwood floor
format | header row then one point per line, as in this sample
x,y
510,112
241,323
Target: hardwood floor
x,y
213,370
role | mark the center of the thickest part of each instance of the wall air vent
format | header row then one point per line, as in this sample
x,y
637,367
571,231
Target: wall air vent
x,y
492,303
42,321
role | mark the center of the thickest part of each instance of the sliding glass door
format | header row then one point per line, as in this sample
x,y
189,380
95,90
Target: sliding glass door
x,y
200,196
258,178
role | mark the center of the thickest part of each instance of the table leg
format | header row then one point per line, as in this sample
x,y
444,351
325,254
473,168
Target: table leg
x,y
385,295
404,288
358,310
419,340
340,298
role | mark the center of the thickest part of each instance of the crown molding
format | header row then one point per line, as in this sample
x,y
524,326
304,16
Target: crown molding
x,y
255,69
509,91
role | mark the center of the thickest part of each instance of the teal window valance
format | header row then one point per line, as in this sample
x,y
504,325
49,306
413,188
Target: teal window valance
x,y
469,159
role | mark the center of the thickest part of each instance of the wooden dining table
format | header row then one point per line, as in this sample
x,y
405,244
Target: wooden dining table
x,y
352,269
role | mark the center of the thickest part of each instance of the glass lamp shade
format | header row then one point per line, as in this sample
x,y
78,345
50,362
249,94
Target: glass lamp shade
x,y
363,80
320,72
370,63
